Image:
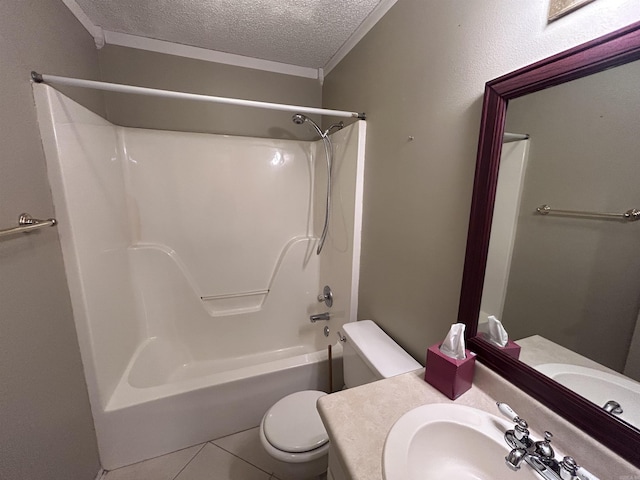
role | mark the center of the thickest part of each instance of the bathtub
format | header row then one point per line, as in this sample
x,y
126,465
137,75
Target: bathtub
x,y
202,372
191,299
202,401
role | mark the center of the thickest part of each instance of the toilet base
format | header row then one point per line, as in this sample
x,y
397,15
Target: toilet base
x,y
310,470
303,471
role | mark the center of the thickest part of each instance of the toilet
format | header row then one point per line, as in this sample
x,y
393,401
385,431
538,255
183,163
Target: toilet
x,y
292,431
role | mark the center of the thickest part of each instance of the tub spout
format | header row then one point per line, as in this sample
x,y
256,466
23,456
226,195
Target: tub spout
x,y
320,316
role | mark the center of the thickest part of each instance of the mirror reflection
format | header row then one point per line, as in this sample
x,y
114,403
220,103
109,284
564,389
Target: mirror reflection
x,y
566,286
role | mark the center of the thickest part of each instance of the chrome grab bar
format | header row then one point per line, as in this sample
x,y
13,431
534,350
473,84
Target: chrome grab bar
x,y
630,215
27,223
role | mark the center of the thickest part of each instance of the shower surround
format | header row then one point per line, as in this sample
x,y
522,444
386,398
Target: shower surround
x,y
191,265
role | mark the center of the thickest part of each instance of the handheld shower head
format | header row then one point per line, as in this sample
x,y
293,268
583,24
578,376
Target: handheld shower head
x,y
298,119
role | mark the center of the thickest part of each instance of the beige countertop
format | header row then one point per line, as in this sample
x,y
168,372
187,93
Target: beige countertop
x,y
359,419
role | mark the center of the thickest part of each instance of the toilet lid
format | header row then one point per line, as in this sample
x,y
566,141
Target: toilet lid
x,y
293,424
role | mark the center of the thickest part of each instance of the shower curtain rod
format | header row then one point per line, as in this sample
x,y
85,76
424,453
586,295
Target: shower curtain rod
x,y
120,88
514,137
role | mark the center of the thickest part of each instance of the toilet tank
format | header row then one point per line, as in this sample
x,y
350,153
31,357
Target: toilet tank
x,y
370,354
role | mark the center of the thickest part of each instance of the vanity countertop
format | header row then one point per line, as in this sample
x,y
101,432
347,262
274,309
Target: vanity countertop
x,y
359,419
537,350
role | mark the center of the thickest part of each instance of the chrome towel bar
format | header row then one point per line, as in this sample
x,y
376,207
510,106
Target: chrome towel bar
x,y
630,215
26,223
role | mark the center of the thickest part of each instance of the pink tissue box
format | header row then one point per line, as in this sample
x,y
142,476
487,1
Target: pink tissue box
x,y
452,377
511,348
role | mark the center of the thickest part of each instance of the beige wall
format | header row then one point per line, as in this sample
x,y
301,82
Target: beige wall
x,y
576,281
46,427
169,72
421,72
43,399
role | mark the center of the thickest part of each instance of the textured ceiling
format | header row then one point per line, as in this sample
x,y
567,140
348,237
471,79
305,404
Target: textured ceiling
x,y
298,32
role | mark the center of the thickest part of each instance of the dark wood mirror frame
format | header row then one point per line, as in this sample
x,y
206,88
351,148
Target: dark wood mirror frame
x,y
617,48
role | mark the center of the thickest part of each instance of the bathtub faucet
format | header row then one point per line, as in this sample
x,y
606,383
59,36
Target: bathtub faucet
x,y
320,316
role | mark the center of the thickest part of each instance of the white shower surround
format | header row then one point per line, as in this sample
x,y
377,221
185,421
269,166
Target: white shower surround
x,y
141,214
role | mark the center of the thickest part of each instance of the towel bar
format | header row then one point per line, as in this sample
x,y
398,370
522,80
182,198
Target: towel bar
x,y
630,215
27,223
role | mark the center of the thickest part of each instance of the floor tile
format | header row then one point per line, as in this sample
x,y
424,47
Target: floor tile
x,y
214,463
165,467
247,446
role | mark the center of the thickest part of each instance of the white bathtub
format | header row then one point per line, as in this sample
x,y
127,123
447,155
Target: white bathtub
x,y
192,272
197,405
202,376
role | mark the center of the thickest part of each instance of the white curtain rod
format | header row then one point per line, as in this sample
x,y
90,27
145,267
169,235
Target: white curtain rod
x,y
117,87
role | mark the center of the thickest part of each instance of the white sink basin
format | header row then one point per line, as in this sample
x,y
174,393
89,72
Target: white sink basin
x,y
447,441
598,387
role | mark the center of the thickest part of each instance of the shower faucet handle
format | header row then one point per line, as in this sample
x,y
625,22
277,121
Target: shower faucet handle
x,y
326,296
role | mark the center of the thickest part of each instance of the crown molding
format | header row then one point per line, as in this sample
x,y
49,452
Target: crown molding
x,y
102,37
368,23
94,30
188,51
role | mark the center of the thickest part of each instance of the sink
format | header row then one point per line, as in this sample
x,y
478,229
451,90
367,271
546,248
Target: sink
x,y
448,441
598,387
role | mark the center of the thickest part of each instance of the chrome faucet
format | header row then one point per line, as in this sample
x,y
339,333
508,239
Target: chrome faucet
x,y
538,455
613,407
320,316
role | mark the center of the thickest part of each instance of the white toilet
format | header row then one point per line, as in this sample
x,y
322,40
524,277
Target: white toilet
x,y
292,431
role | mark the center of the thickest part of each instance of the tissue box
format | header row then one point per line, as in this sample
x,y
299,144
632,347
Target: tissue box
x,y
452,377
512,349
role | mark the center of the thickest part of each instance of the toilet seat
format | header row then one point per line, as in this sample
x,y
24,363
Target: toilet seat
x,y
292,431
293,424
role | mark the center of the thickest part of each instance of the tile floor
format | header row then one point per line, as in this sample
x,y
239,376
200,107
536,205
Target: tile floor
x,y
236,457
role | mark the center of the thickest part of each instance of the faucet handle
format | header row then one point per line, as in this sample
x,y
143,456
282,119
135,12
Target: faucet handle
x,y
544,449
507,411
519,436
583,474
326,296
568,468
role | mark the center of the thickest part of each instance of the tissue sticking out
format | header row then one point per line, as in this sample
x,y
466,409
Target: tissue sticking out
x,y
496,333
449,367
453,344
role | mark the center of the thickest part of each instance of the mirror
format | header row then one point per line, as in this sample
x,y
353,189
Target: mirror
x,y
522,89
573,291
566,285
